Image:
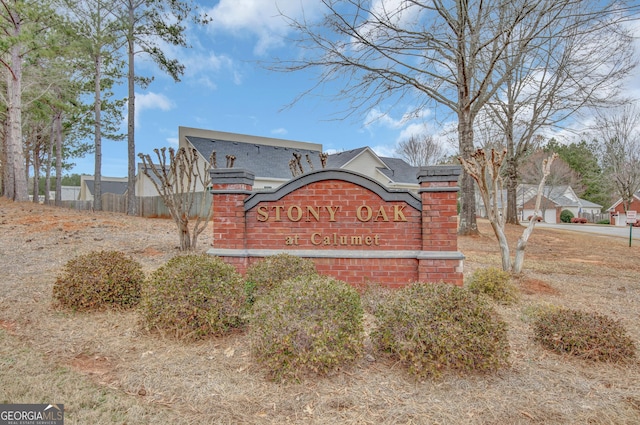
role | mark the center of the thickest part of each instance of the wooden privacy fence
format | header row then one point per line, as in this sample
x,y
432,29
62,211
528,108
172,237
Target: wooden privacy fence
x,y
147,206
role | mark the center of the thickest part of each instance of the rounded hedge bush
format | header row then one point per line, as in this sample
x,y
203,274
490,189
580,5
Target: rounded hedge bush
x,y
311,324
495,283
588,335
566,216
99,280
436,327
194,296
263,275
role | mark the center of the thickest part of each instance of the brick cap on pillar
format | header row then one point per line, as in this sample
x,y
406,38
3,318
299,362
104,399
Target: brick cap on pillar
x,y
439,173
231,176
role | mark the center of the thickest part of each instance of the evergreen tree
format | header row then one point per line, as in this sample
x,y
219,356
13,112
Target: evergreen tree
x,y
146,25
582,158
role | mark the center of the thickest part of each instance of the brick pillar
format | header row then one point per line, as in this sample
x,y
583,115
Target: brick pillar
x,y
230,187
440,260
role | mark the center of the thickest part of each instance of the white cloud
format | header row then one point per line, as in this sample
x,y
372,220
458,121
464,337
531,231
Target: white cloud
x,y
385,150
205,81
376,117
151,100
202,64
279,131
414,129
260,18
419,123
206,62
173,141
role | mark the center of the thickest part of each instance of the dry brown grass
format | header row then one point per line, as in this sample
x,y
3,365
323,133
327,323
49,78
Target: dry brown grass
x,y
106,370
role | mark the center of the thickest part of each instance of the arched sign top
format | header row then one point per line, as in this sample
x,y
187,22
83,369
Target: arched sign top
x,y
358,179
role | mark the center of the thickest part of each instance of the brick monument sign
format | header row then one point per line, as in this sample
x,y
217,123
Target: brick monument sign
x,y
354,228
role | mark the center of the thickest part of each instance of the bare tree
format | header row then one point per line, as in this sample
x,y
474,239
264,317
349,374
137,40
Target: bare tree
x,y
620,150
580,61
420,150
424,52
176,182
486,170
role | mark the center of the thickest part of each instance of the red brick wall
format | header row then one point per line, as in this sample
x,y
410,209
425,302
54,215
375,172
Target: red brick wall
x,y
392,225
354,229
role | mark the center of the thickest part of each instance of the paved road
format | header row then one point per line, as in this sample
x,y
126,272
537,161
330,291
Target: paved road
x,y
617,231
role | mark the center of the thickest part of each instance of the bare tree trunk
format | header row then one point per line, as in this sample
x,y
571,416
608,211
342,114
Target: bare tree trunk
x,y
9,184
512,185
185,237
17,184
504,245
58,133
524,238
97,173
131,144
468,224
3,156
47,183
36,171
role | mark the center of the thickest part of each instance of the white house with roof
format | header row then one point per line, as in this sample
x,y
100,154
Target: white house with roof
x,y
617,212
269,158
115,185
555,199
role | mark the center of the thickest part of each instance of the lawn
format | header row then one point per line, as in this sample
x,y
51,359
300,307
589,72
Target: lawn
x,y
106,369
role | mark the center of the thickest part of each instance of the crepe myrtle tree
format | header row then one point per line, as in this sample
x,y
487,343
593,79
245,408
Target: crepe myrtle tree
x,y
176,179
486,170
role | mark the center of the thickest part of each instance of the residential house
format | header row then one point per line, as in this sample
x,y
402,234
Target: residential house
x,y
67,193
555,199
617,213
115,185
271,159
146,185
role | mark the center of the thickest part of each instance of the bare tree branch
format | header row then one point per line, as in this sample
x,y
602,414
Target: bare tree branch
x,y
176,180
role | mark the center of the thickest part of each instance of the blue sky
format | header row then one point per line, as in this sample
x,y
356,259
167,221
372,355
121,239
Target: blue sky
x,y
225,89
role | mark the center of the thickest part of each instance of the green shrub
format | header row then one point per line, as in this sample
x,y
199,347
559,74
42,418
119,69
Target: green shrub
x,y
194,296
99,280
269,272
566,216
588,335
311,324
494,282
605,221
436,327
